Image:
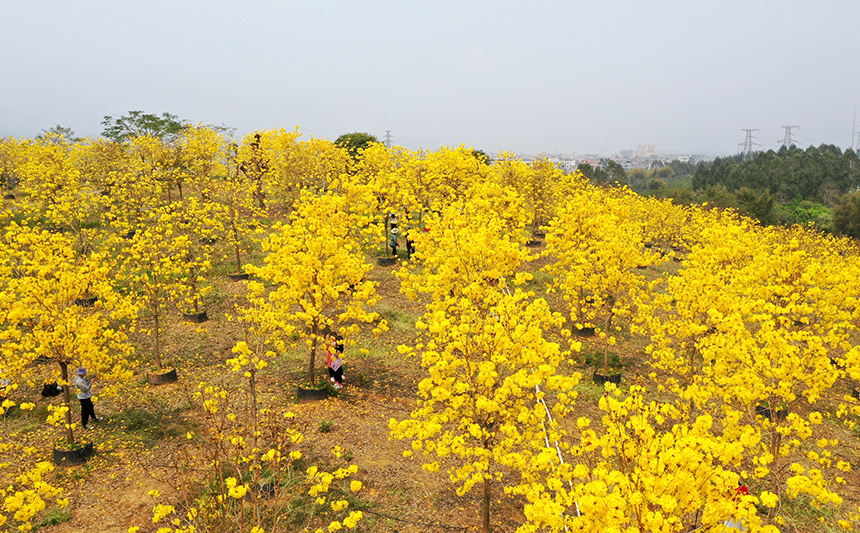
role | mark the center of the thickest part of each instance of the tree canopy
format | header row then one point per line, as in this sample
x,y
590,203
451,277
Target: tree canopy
x,y
355,142
820,173
138,123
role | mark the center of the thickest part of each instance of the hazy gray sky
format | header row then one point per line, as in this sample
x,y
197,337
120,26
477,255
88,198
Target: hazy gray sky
x,y
536,76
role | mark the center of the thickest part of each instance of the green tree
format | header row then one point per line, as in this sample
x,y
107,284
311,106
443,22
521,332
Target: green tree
x,y
59,133
759,205
846,215
594,175
355,142
138,123
481,156
615,172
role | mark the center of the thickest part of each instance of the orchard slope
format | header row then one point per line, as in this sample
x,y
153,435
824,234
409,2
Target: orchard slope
x,y
750,332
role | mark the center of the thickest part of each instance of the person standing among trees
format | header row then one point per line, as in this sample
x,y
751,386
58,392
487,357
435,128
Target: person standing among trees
x,y
331,343
410,244
337,365
4,386
85,396
393,241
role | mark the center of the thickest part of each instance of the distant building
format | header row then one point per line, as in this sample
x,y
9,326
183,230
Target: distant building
x,y
645,151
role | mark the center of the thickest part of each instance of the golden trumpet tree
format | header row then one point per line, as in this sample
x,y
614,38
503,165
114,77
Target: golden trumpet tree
x,y
10,154
56,194
755,325
644,467
252,483
204,157
595,249
384,170
127,178
438,177
476,239
313,164
157,164
262,157
236,215
24,492
484,349
201,222
156,265
487,364
317,267
539,182
48,311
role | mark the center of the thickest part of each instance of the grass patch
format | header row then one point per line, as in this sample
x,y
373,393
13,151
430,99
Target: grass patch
x,y
595,360
17,420
539,283
398,320
801,515
588,390
144,426
53,517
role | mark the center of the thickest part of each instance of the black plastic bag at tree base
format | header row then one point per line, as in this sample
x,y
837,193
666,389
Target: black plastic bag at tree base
x,y
51,389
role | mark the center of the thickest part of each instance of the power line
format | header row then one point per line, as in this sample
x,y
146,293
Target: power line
x,y
788,140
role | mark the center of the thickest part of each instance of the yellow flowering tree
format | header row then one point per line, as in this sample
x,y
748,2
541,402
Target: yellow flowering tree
x,y
237,216
475,239
317,268
203,158
538,182
262,157
487,360
47,312
155,267
488,364
253,485
385,170
201,223
595,248
755,325
644,468
126,178
313,164
57,195
438,177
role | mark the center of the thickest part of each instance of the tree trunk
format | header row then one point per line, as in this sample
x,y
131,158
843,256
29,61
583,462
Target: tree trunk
x,y
776,441
606,347
236,241
385,237
314,331
252,385
64,373
485,508
157,345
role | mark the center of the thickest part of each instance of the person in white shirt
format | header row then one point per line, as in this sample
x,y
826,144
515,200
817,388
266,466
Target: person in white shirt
x,y
85,396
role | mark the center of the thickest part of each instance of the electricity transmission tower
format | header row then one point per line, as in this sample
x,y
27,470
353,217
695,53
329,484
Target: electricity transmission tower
x,y
788,140
855,147
388,138
748,142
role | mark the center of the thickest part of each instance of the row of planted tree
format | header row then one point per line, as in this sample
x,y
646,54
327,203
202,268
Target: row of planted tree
x,y
751,333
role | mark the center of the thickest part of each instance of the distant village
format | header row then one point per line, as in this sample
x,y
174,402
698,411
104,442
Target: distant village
x,y
643,157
